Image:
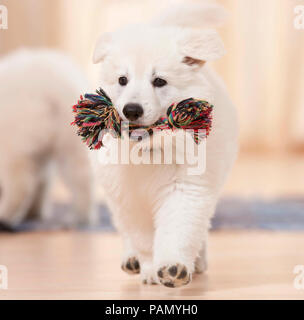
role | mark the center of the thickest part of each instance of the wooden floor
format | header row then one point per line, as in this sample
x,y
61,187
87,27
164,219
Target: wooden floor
x,y
71,265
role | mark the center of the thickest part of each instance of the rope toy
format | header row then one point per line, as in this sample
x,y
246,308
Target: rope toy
x,y
95,113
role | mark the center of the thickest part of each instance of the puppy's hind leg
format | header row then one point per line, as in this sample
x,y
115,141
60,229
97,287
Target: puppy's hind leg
x,y
147,271
75,169
18,185
40,207
201,263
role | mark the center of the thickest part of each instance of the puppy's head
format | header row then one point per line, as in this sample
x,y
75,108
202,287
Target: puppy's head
x,y
146,68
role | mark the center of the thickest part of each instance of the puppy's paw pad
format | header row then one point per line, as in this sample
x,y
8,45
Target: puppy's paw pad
x,y
174,276
131,265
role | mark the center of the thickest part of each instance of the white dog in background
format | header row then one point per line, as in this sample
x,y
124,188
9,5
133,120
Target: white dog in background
x,y
37,91
162,212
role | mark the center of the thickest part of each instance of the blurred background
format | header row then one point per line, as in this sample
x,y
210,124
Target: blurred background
x,y
264,72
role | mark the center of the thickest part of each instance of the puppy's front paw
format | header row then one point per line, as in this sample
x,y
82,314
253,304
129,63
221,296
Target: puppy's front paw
x,y
173,276
131,265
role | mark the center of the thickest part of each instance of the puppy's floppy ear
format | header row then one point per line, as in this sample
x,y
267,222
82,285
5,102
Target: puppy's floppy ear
x,y
197,46
102,47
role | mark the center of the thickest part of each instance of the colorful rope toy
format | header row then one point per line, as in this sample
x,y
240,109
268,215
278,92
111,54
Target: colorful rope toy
x,y
95,113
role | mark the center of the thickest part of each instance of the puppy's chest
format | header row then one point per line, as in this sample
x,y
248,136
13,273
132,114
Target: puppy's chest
x,y
140,184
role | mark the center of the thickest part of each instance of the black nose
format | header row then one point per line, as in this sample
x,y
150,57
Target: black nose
x,y
133,111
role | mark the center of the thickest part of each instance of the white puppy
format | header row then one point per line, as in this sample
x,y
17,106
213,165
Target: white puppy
x,y
162,212
37,91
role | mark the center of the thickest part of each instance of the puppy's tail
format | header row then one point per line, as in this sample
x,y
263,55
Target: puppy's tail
x,y
205,14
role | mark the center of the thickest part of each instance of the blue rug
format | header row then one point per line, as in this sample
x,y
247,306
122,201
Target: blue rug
x,y
231,213
280,214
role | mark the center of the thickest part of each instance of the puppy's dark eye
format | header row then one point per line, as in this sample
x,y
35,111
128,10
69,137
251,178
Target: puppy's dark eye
x,y
123,81
158,82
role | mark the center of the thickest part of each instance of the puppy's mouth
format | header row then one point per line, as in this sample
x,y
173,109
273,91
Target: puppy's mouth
x,y
139,131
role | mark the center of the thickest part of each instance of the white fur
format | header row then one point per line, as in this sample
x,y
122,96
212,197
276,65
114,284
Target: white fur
x,y
162,213
37,91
